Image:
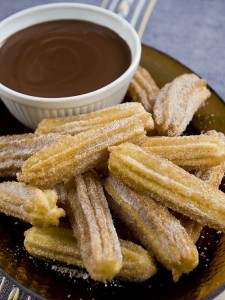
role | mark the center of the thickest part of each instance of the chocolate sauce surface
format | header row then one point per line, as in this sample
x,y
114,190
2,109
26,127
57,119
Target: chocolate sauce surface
x,y
62,58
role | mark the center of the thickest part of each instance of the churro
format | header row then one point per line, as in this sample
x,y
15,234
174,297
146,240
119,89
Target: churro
x,y
192,227
59,244
197,151
30,204
93,227
75,124
143,89
138,264
154,226
177,102
73,155
168,184
145,182
15,149
212,176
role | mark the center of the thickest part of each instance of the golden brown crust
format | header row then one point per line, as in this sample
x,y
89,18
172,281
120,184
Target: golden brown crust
x,y
59,244
73,155
212,176
143,89
190,152
93,227
15,149
75,124
168,184
154,227
177,102
30,204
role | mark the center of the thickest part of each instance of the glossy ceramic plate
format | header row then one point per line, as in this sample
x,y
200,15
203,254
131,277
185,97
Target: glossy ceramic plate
x,y
205,282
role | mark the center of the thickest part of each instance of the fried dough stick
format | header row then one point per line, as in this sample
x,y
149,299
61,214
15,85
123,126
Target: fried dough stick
x,y
30,204
212,176
168,184
177,102
192,152
73,155
93,227
15,149
75,124
57,243
154,226
143,89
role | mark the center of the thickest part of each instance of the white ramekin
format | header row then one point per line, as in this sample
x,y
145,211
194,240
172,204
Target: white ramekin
x,y
30,110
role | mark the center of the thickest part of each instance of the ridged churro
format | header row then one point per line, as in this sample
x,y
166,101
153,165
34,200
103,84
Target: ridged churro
x,y
15,149
62,167
73,155
197,151
138,264
75,124
154,226
168,184
93,227
59,244
212,176
30,204
177,102
192,227
143,89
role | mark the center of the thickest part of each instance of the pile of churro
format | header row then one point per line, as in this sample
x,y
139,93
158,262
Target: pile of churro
x,y
74,176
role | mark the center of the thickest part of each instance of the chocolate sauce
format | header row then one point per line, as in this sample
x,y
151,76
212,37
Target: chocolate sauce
x,y
62,58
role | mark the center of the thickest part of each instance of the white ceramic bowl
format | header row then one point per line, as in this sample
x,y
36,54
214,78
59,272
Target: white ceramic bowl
x,y
29,110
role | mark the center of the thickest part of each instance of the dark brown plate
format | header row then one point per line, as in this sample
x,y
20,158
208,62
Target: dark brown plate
x,y
205,282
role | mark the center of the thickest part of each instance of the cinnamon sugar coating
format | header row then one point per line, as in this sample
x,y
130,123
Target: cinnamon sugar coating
x,y
143,182
15,149
192,152
143,89
154,226
177,102
75,124
73,155
30,204
169,184
59,244
212,176
93,227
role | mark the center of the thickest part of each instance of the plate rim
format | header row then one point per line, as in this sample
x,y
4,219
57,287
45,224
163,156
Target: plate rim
x,y
21,287
210,296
